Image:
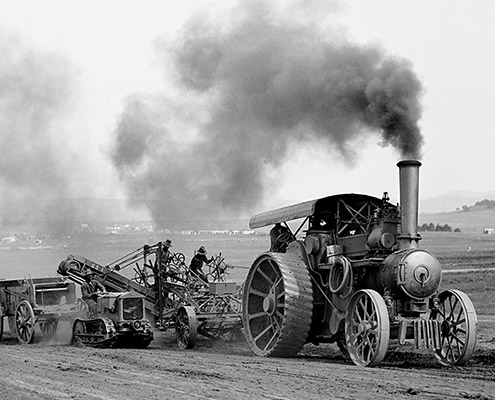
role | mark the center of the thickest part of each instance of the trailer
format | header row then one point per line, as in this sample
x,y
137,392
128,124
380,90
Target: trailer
x,y
174,296
44,302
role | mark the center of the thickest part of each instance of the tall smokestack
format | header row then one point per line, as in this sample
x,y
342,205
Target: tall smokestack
x,y
409,199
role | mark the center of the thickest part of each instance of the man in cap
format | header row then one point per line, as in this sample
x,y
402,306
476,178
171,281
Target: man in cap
x,y
166,255
89,290
196,265
164,272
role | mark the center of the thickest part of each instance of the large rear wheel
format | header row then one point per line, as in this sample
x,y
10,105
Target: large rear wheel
x,y
367,328
458,320
277,305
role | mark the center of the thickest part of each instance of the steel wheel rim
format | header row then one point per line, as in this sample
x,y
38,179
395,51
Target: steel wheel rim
x,y
264,305
457,318
25,322
367,328
186,328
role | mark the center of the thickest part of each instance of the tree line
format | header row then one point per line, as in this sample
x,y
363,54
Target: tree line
x,y
488,204
431,227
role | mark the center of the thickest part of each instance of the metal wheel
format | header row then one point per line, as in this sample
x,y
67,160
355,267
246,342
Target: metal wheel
x,y
178,258
49,328
458,321
217,268
141,277
186,327
277,305
25,322
367,328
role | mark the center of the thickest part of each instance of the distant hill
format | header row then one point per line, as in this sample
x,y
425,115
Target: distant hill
x,y
439,210
453,201
473,221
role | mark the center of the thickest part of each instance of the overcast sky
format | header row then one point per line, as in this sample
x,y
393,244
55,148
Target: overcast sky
x,y
110,49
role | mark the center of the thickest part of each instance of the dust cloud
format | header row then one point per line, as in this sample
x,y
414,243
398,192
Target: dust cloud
x,y
248,85
35,95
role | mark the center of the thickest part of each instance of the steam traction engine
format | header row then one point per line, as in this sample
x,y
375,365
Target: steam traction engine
x,y
357,279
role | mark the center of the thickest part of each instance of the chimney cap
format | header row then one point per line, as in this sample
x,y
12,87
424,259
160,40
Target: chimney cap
x,y
405,163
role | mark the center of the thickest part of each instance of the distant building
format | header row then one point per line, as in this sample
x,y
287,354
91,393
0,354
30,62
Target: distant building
x,y
9,239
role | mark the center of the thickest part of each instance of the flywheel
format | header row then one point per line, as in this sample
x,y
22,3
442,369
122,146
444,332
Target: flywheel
x,y
277,305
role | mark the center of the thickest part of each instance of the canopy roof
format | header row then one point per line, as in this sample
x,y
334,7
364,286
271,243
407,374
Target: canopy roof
x,y
313,207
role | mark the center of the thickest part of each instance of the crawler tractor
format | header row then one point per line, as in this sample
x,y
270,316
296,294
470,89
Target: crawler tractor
x,y
119,321
356,278
173,296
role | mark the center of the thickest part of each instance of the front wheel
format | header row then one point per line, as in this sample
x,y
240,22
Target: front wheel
x,y
367,328
458,320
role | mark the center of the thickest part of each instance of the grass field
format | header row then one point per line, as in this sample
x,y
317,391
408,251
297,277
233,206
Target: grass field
x,y
472,222
461,251
454,250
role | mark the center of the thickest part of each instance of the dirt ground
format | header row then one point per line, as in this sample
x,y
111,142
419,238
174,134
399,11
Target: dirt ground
x,y
229,370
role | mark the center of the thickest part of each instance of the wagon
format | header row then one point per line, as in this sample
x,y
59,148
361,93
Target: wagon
x,y
28,302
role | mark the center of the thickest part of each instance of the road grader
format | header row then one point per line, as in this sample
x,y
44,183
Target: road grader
x,y
173,295
357,279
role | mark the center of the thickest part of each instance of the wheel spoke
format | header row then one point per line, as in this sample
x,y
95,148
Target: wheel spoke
x,y
274,266
257,292
257,315
265,276
275,323
268,327
268,345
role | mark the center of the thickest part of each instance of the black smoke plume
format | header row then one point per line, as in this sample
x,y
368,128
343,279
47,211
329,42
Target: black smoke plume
x,y
249,87
35,94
